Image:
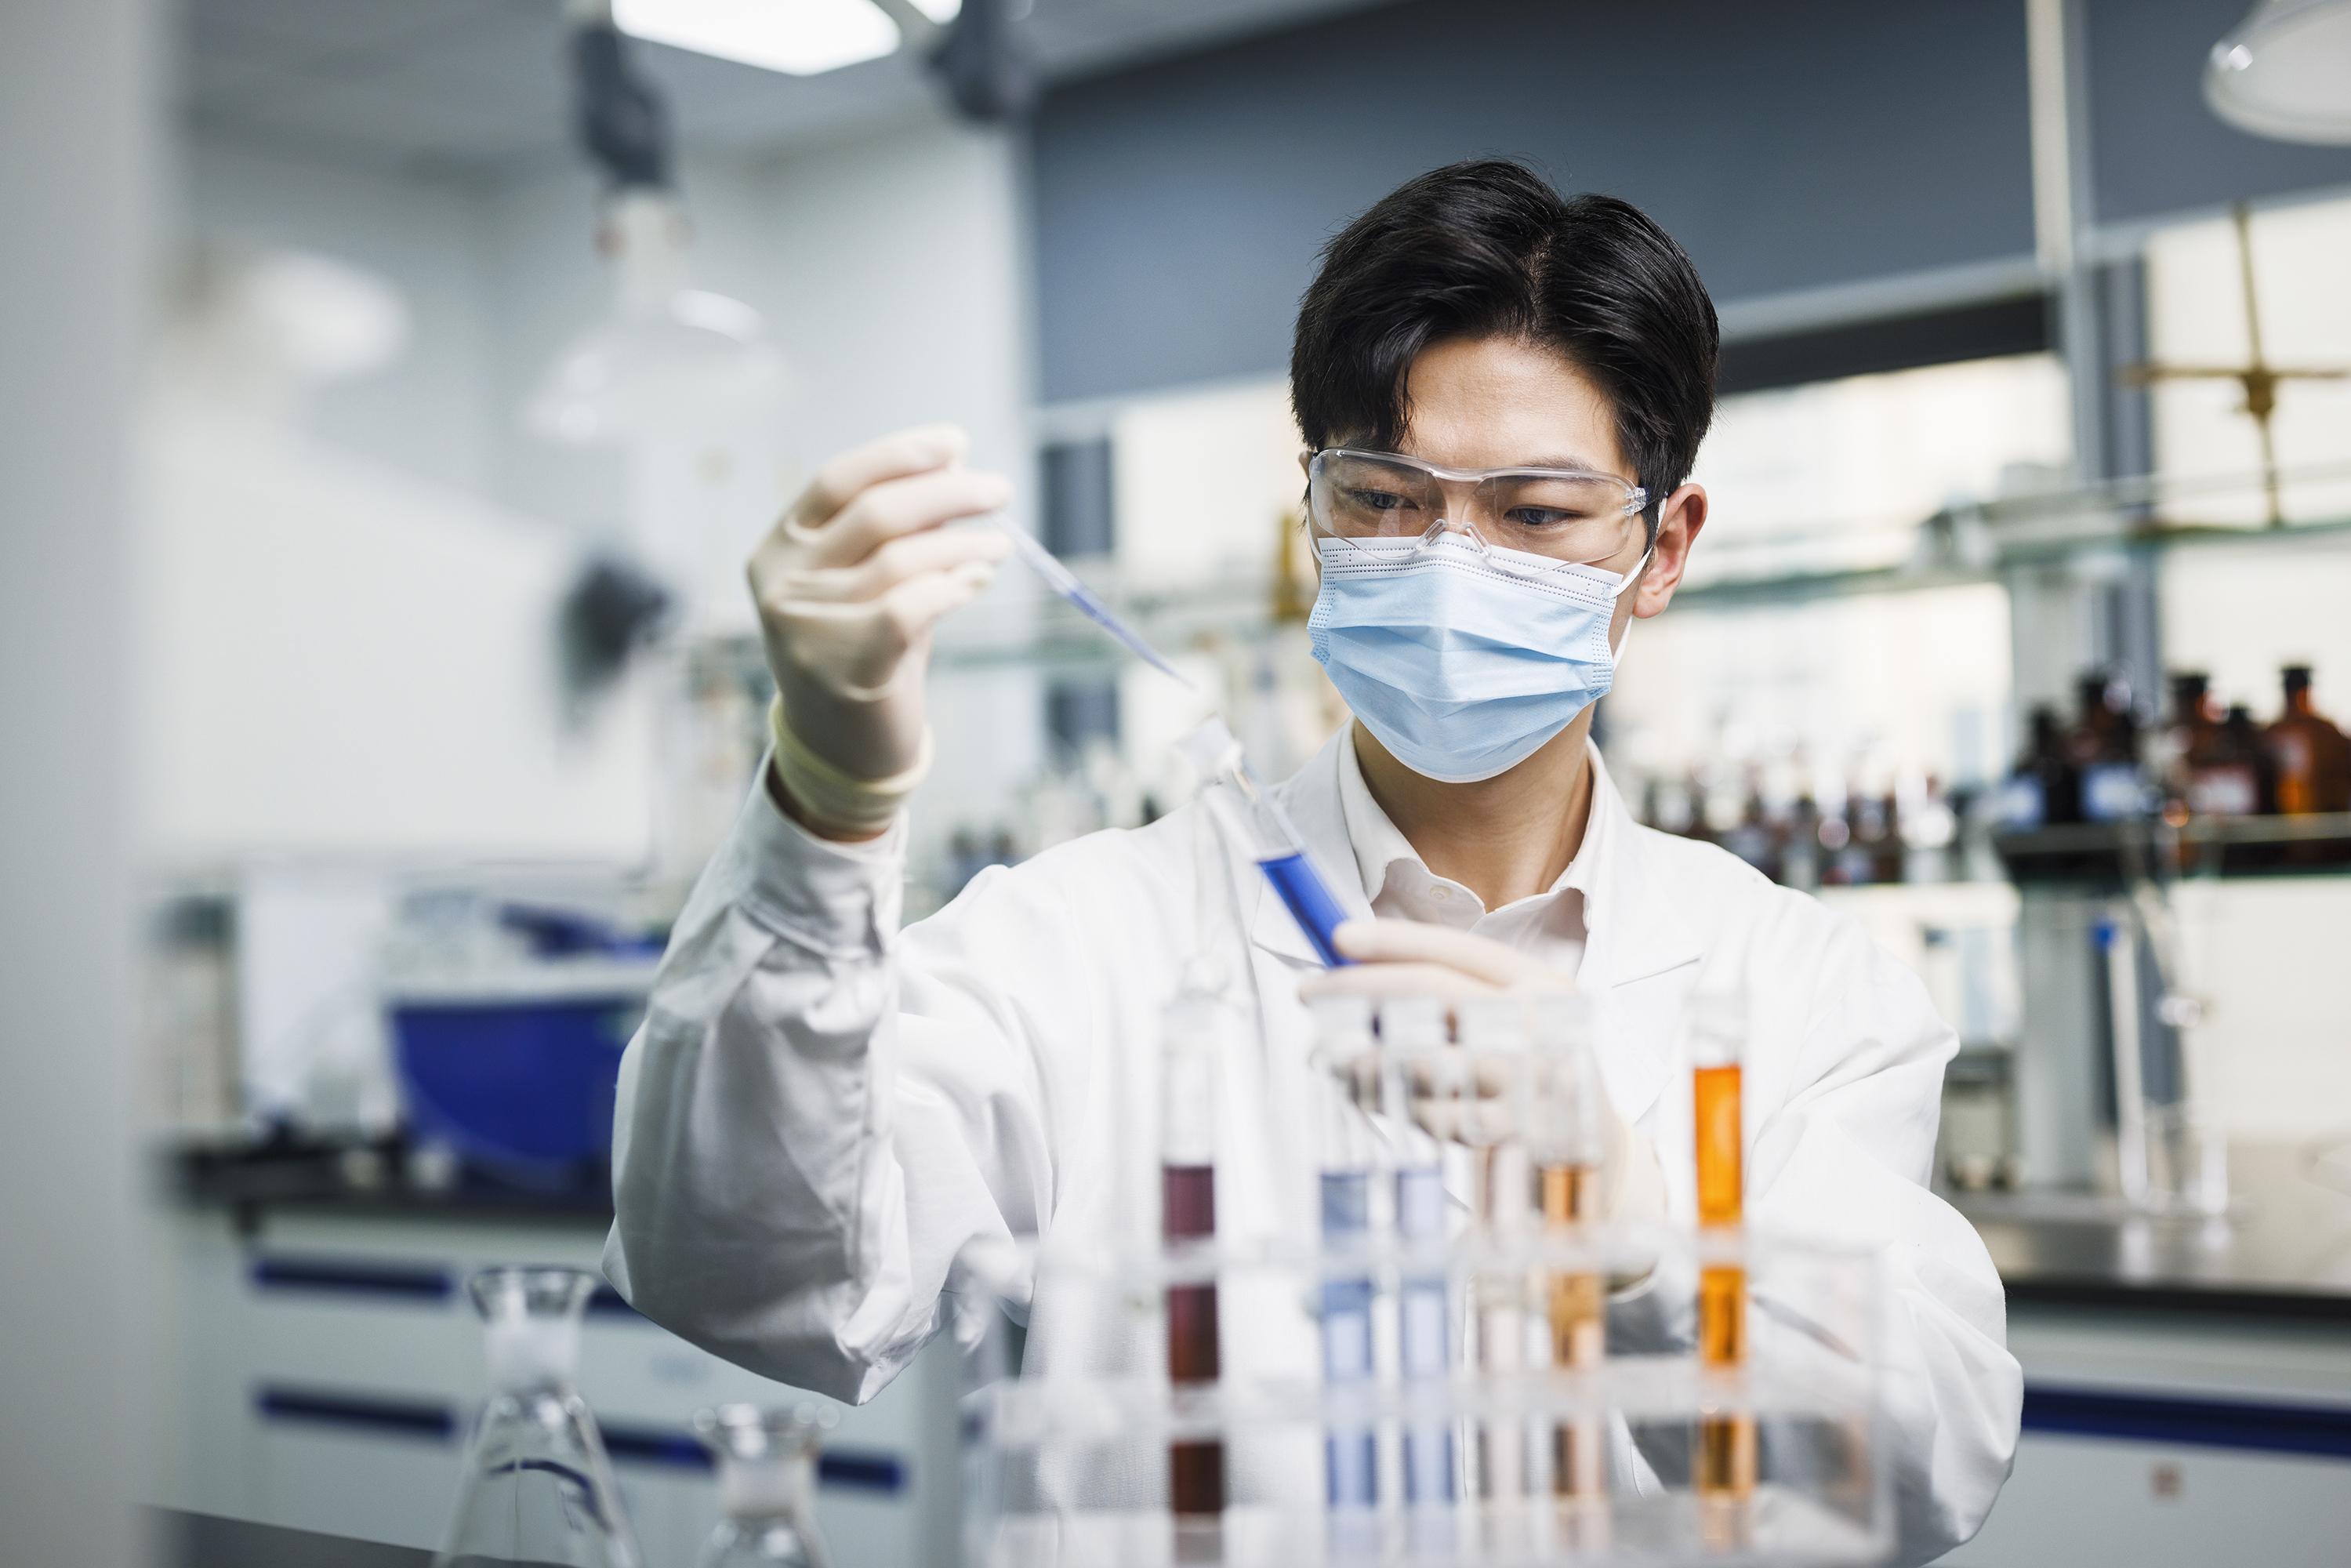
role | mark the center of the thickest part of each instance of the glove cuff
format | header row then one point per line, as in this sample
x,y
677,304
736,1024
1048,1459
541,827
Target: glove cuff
x,y
856,808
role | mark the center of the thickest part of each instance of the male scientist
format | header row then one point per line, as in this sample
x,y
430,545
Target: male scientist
x,y
1503,393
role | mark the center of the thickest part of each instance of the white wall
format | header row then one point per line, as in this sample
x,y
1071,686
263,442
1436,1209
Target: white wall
x,y
891,268
429,412
78,105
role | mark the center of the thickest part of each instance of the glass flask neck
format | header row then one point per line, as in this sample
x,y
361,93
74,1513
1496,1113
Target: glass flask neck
x,y
766,1483
530,1321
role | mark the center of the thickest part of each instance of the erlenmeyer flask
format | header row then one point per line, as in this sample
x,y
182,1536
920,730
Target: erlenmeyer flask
x,y
538,1486
767,1484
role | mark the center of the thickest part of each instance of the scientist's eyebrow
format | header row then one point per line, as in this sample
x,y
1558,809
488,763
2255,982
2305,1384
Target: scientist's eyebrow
x,y
1575,465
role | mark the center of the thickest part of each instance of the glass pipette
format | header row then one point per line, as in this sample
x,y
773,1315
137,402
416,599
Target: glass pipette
x,y
1266,830
1065,582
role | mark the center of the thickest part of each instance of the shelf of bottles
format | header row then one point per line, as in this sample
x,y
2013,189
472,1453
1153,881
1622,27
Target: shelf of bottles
x,y
1512,1378
2103,798
2210,792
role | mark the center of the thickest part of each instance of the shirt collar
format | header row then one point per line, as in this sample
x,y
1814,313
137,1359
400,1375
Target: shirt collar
x,y
1380,845
1629,907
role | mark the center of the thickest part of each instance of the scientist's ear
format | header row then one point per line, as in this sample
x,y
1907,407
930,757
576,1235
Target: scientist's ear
x,y
1677,530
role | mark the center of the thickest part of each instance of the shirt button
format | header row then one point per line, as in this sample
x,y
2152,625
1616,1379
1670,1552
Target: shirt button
x,y
1442,895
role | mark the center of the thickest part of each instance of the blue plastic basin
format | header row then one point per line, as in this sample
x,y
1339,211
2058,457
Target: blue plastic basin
x,y
521,1088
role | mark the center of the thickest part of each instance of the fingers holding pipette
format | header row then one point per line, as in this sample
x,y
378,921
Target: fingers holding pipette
x,y
850,585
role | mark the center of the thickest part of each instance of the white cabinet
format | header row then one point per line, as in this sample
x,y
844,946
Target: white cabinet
x,y
322,1371
2182,1447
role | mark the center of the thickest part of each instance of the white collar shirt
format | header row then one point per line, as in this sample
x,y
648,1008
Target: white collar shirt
x,y
1548,925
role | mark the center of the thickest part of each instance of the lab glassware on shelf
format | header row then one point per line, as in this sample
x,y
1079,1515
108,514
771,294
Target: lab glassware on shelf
x,y
537,1485
1752,1443
767,1485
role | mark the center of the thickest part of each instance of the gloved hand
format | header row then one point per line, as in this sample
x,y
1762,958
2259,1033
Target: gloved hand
x,y
1405,958
850,585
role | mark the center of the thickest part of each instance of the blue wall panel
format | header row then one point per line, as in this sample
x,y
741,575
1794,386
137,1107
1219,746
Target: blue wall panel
x,y
1788,145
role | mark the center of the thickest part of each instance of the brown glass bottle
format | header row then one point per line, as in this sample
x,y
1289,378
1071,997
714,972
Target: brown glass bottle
x,y
2313,759
2051,792
2103,746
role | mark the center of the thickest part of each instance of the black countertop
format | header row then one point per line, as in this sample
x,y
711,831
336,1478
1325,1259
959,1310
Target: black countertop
x,y
207,1540
2283,1252
369,1179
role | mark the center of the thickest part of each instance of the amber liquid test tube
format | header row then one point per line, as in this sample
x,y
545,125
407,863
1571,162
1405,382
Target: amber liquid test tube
x,y
1724,1465
1576,1306
1567,1135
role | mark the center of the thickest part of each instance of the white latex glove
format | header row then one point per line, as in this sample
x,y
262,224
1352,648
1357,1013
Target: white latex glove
x,y
1405,958
850,585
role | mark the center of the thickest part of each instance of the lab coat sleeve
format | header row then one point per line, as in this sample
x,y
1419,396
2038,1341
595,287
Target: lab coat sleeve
x,y
1847,1155
797,1164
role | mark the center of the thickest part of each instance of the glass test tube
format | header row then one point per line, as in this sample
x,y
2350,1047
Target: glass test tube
x,y
1568,1144
1723,1469
1254,819
1348,1092
1412,1037
1492,1036
1187,1149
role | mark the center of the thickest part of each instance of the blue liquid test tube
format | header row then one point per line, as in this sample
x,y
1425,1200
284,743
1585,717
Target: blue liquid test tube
x,y
1413,1027
1265,833
1348,1098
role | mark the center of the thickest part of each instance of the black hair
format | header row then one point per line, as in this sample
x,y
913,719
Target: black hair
x,y
1489,249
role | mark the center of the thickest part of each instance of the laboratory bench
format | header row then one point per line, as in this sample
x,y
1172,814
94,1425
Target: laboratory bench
x,y
2186,1381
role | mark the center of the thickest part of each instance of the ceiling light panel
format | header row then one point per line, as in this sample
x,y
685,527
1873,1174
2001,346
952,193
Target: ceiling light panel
x,y
800,37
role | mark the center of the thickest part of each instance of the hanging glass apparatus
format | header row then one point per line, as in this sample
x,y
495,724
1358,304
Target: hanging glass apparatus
x,y
767,1484
538,1486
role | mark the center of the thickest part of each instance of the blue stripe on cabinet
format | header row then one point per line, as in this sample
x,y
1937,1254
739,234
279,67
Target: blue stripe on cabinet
x,y
364,1412
399,1282
855,1470
860,1472
852,1470
2192,1420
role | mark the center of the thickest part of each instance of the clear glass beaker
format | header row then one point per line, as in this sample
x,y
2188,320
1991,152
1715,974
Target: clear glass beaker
x,y
767,1484
538,1486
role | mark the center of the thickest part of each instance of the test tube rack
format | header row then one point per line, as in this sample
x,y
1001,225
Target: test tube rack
x,y
1068,1466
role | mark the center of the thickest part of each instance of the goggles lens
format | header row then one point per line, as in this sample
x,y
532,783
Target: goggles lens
x,y
1575,519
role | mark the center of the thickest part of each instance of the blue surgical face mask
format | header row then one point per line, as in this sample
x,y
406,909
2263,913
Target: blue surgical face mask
x,y
1463,661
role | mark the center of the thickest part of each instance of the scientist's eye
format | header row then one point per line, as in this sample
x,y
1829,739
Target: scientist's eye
x,y
1541,519
1369,498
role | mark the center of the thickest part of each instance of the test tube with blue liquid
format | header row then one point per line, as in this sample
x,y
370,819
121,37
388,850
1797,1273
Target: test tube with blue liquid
x,y
1348,1094
1415,1091
1254,819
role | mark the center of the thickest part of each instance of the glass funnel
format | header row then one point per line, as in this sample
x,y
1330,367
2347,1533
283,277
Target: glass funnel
x,y
538,1486
767,1484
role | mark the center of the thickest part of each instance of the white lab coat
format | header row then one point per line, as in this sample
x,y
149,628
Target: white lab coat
x,y
821,1111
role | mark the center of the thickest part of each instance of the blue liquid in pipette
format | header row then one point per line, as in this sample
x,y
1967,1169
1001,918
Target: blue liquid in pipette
x,y
1308,902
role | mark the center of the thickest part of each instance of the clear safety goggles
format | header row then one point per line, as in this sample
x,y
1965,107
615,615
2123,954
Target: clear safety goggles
x,y
1567,517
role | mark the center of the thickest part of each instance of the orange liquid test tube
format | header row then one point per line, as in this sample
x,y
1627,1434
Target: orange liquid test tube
x,y
1570,1140
1725,1462
1571,1202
